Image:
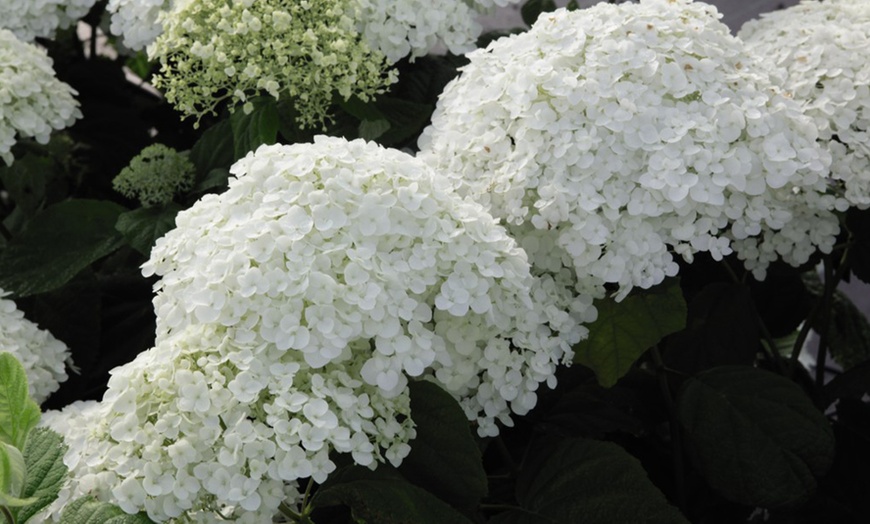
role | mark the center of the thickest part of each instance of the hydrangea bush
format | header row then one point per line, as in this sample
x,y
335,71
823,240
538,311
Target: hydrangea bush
x,y
44,357
569,274
29,20
33,102
824,68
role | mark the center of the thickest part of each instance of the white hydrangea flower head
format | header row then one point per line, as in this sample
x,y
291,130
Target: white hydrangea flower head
x,y
138,22
33,102
30,19
155,176
43,356
342,250
400,28
825,68
612,138
213,50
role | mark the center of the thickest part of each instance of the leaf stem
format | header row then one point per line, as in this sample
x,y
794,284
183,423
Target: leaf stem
x,y
8,514
676,435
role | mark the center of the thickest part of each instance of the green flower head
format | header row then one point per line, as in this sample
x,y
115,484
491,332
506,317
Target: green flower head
x,y
216,50
155,175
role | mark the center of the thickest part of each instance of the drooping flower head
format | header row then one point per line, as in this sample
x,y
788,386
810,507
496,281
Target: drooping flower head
x,y
43,356
155,176
292,310
213,50
33,102
29,19
824,66
612,137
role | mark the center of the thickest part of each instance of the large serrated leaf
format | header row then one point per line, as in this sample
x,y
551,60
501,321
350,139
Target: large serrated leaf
x,y
87,510
57,244
581,480
256,128
625,330
142,227
46,472
18,412
384,497
444,458
755,436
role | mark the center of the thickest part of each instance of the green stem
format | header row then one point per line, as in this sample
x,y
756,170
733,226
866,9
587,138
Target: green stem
x,y
8,514
300,518
676,435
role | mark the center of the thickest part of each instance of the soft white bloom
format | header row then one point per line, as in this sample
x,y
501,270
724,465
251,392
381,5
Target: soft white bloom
x,y
43,356
612,138
400,28
33,102
30,19
138,22
819,49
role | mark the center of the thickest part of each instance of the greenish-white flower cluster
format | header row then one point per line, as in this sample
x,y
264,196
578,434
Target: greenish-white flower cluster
x,y
820,50
155,176
212,50
43,356
33,102
30,19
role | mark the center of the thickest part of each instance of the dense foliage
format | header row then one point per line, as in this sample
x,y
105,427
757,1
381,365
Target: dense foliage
x,y
303,267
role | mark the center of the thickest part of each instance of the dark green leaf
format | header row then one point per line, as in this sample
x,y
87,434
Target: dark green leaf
x,y
407,119
572,5
384,497
26,181
854,384
46,472
259,127
721,330
213,150
288,124
216,179
87,510
57,244
533,8
372,129
848,329
755,436
625,330
444,459
590,482
18,412
142,227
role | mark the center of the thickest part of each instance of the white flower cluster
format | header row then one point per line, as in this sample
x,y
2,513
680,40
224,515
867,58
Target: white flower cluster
x,y
30,19
292,311
138,22
155,176
820,49
43,356
625,133
33,102
400,28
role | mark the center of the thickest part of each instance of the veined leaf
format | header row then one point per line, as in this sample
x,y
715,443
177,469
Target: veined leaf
x,y
18,412
45,471
87,510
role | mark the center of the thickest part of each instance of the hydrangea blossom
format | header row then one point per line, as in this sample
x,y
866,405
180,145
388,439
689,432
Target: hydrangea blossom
x,y
155,175
29,19
33,102
400,28
824,66
43,356
612,137
138,22
212,50
317,248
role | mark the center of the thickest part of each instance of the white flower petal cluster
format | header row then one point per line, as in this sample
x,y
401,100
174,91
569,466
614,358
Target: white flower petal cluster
x,y
400,28
30,19
43,356
33,102
820,50
138,22
626,133
155,176
213,50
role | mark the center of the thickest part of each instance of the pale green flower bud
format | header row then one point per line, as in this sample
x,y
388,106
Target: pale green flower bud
x,y
155,175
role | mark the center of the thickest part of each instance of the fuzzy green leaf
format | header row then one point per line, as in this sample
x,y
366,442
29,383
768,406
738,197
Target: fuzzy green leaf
x,y
581,480
755,436
625,330
18,412
142,227
87,510
444,458
46,472
57,244
12,472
